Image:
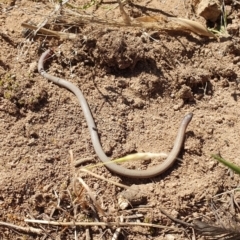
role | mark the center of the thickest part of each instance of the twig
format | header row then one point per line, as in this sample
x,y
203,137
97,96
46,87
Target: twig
x,y
90,194
77,163
7,39
48,32
87,234
117,231
230,191
138,215
158,22
125,16
51,14
116,234
22,229
193,26
236,1
107,224
102,178
236,202
175,219
205,228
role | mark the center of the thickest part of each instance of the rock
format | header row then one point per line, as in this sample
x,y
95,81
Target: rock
x,y
185,93
134,195
209,9
32,67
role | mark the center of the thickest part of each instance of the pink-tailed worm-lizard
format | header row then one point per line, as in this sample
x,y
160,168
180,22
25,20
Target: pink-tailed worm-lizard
x,y
148,173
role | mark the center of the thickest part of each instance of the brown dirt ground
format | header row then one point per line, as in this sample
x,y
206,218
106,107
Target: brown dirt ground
x,y
138,90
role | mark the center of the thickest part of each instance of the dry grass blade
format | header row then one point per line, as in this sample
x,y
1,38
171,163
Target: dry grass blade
x,y
125,16
91,195
22,229
194,27
206,229
158,22
215,231
79,162
102,178
73,18
109,224
168,23
53,13
225,207
48,32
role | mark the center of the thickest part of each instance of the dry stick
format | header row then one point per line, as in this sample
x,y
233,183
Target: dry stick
x,y
116,234
193,226
7,39
86,19
175,219
22,229
236,203
87,234
51,14
72,168
102,178
193,26
48,32
215,211
96,206
114,7
72,162
118,230
193,235
86,187
232,206
107,224
77,163
90,194
220,194
137,215
58,207
125,16
157,22
202,227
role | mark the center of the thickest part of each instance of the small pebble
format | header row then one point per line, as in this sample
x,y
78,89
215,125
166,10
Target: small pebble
x,y
210,131
219,120
96,186
170,237
211,165
32,67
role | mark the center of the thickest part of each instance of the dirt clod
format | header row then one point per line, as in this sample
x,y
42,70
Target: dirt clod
x,y
209,9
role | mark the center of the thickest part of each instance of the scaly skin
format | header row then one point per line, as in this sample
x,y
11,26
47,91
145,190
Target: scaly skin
x,y
118,169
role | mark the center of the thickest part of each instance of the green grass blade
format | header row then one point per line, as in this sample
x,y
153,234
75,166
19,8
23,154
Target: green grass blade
x,y
232,166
